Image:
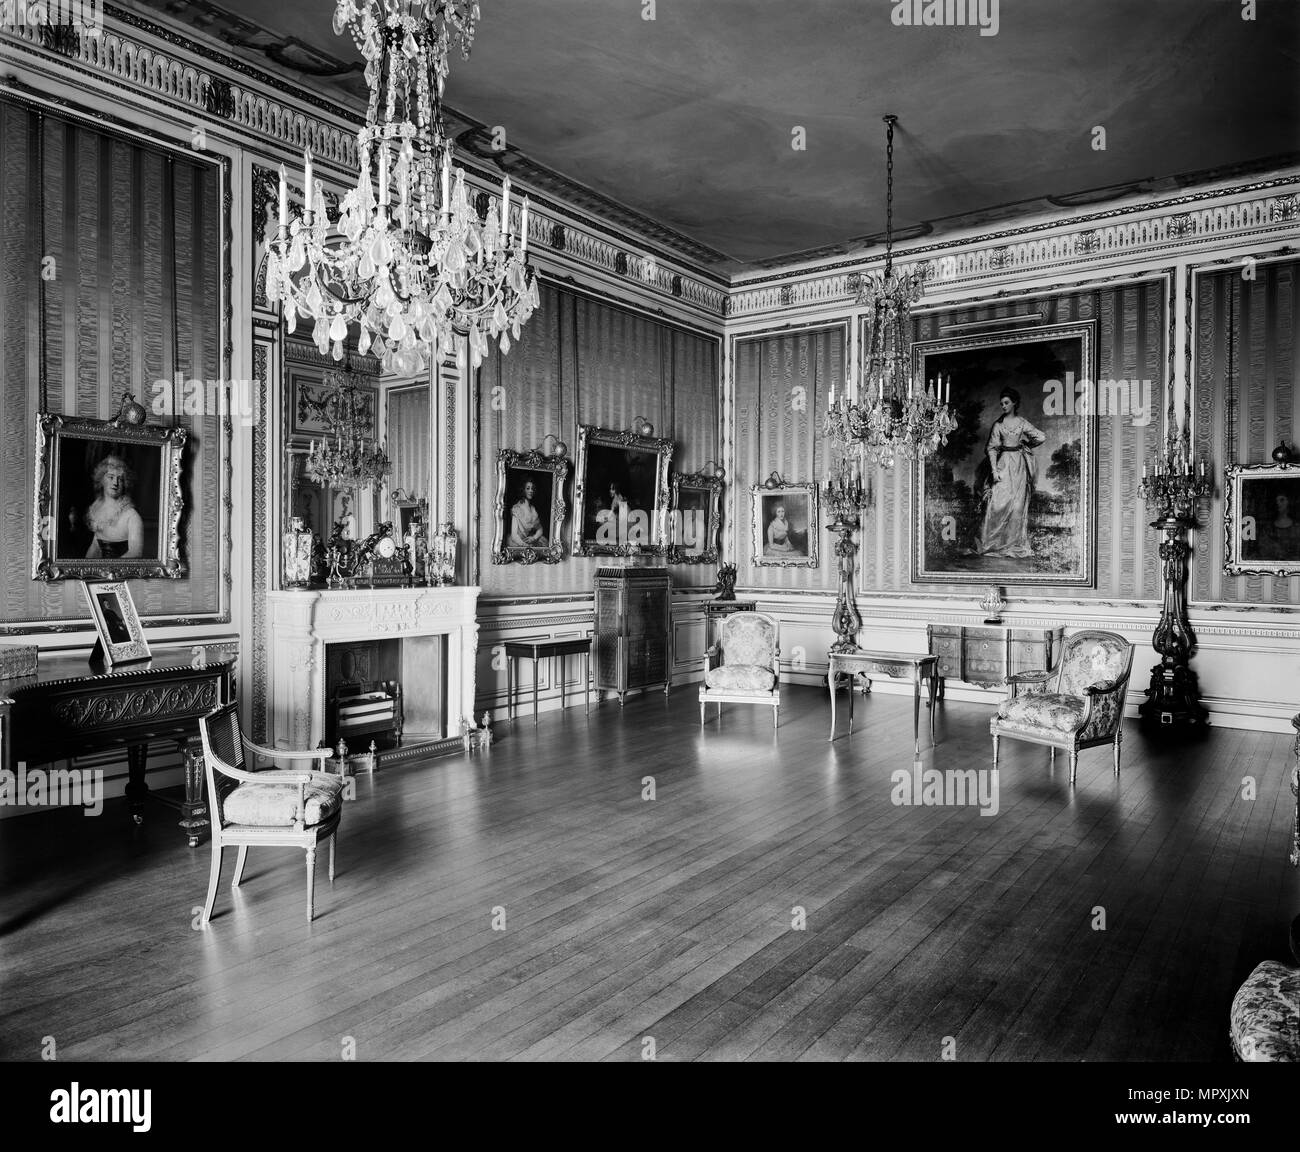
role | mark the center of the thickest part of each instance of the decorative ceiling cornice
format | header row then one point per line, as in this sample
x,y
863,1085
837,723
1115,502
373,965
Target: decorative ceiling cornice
x,y
1119,235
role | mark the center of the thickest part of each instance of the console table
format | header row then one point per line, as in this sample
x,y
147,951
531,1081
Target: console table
x,y
988,654
70,708
541,650
894,664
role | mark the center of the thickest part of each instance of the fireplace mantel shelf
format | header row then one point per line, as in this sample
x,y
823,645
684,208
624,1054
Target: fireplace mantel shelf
x,y
303,622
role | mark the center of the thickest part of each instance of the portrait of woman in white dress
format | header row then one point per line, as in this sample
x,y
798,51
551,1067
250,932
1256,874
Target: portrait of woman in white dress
x,y
115,524
527,529
784,524
778,532
1009,492
1012,475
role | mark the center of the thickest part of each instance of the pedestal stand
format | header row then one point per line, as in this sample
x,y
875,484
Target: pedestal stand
x,y
846,621
1174,697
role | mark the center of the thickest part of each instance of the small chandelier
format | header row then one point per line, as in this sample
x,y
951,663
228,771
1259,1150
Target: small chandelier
x,y
347,457
415,265
897,417
1176,486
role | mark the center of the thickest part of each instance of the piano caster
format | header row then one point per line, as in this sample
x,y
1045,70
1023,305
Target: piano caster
x,y
137,818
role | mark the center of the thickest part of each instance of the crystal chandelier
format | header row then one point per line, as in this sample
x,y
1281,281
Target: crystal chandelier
x,y
414,265
896,416
347,457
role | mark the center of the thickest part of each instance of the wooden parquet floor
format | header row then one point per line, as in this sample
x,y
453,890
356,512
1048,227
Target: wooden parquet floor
x,y
770,902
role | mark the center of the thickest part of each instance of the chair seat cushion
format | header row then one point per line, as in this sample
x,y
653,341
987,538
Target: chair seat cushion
x,y
273,805
1054,711
741,677
1265,1018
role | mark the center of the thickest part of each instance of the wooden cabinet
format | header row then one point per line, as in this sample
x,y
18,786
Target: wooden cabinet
x,y
987,654
632,629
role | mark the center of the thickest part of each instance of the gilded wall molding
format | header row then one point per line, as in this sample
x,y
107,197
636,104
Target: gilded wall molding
x,y
261,567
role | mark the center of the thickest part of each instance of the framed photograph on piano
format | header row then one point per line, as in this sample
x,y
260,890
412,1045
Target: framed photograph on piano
x,y
121,638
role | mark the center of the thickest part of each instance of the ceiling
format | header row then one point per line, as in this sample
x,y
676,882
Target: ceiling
x,y
688,118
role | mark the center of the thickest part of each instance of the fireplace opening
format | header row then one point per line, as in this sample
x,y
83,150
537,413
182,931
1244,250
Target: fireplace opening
x,y
391,691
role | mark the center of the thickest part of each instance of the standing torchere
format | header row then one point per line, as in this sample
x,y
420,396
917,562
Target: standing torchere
x,y
844,500
1174,696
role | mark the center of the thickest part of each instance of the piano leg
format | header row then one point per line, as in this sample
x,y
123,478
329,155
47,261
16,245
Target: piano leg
x,y
194,811
137,791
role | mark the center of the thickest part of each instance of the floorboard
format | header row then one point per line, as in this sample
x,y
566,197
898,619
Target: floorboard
x,y
673,919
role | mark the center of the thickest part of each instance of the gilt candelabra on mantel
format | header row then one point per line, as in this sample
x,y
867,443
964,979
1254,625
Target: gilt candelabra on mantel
x,y
845,500
1176,488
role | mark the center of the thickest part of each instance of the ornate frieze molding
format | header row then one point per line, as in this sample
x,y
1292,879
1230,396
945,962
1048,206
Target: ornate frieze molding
x,y
595,251
1199,220
168,78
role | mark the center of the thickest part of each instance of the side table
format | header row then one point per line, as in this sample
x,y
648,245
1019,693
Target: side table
x,y
541,650
918,668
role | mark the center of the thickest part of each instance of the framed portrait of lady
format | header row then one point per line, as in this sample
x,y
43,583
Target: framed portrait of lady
x,y
1009,498
785,525
530,508
1262,520
107,499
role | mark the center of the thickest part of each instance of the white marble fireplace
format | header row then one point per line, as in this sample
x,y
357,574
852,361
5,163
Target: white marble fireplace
x,y
302,623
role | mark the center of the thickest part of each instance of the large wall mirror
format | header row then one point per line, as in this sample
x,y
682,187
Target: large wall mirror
x,y
391,412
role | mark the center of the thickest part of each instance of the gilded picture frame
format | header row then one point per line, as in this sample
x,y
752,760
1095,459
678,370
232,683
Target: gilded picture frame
x,y
695,518
620,494
530,508
108,500
1261,520
1031,519
786,522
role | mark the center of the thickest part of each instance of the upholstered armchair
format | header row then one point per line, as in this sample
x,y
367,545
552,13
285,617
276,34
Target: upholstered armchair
x,y
744,665
1078,704
267,807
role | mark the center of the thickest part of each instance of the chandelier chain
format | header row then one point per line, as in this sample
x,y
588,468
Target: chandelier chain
x,y
889,195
